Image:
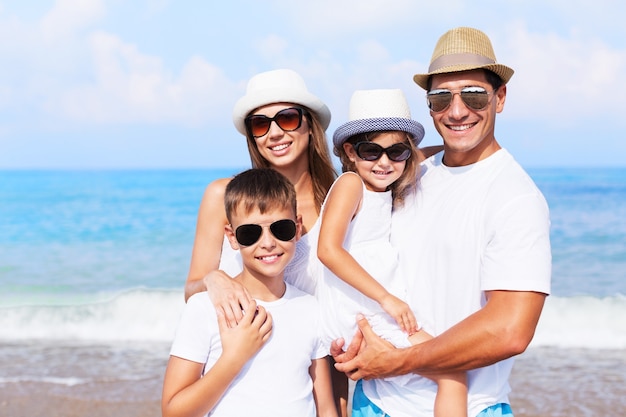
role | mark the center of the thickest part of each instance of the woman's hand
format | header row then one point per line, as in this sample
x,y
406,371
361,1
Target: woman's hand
x,y
228,296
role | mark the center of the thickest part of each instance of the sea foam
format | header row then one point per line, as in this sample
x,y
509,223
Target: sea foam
x,y
152,316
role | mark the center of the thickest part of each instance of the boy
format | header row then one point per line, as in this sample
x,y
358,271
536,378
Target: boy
x,y
272,362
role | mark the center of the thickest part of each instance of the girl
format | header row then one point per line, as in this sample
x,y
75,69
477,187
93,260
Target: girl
x,y
378,151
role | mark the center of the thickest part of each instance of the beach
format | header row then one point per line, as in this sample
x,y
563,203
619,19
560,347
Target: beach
x,y
546,382
92,266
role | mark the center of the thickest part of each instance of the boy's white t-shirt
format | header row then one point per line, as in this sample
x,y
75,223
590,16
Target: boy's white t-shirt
x,y
276,381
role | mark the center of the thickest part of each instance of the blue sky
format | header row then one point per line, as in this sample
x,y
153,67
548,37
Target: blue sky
x,y
151,83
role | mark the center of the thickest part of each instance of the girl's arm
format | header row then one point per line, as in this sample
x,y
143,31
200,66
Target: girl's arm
x,y
226,295
186,393
342,204
322,388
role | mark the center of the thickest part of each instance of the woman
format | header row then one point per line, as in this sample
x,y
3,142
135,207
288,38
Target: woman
x,y
284,125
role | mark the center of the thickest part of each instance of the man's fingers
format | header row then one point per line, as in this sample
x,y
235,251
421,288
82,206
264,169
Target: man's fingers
x,y
336,347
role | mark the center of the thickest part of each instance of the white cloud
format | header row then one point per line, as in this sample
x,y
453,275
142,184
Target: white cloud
x,y
564,78
272,47
132,87
69,16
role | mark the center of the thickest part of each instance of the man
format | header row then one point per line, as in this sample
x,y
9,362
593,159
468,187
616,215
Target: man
x,y
474,247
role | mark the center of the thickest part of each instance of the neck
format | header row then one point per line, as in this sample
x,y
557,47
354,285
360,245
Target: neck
x,y
262,288
453,158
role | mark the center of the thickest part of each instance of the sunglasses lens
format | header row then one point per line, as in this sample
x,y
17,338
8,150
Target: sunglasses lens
x,y
248,234
476,100
399,152
289,119
258,125
368,151
439,100
284,230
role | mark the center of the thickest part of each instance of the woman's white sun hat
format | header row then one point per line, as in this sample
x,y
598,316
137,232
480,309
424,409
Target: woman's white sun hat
x,y
377,111
277,86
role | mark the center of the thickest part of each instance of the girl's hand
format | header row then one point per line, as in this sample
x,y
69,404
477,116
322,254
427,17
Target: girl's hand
x,y
241,342
401,312
228,296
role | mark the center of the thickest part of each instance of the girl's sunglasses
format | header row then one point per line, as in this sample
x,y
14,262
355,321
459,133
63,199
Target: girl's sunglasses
x,y
476,98
371,151
249,234
288,120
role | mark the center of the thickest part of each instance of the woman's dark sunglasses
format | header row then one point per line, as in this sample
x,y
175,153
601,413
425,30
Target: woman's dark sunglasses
x,y
371,151
288,120
476,98
249,234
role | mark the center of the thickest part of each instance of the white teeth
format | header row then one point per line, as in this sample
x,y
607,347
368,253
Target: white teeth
x,y
268,258
460,128
280,147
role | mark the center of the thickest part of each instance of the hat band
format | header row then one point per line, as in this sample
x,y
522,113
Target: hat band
x,y
457,59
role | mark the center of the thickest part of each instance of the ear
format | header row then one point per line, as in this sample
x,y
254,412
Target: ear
x,y
349,150
299,227
230,235
501,98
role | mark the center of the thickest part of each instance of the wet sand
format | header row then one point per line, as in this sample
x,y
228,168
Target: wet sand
x,y
102,381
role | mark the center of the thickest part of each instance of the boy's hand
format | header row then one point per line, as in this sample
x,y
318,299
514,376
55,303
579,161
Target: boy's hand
x,y
227,295
242,342
401,312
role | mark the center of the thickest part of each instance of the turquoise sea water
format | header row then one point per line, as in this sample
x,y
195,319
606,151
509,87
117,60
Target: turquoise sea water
x,y
102,254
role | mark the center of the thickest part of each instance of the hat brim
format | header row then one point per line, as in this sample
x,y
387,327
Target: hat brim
x,y
355,127
504,72
247,104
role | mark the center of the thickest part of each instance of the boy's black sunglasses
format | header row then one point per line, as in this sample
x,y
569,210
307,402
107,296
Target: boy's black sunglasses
x,y
249,234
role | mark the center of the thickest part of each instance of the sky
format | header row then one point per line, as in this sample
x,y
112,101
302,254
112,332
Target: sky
x,y
150,84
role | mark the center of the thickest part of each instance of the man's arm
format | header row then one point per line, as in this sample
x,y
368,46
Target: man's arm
x,y
502,328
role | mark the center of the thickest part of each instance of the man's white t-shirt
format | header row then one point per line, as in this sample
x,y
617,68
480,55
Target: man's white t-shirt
x,y
467,230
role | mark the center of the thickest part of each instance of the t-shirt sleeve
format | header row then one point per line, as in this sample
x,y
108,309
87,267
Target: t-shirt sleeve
x,y
193,334
518,255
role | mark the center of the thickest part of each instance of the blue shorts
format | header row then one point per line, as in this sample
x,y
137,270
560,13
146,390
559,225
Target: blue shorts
x,y
363,407
497,410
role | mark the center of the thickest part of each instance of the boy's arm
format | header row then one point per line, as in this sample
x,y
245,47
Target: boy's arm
x,y
186,393
341,206
322,388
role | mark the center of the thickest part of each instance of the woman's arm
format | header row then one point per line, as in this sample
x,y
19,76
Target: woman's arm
x,y
322,388
341,206
226,295
186,393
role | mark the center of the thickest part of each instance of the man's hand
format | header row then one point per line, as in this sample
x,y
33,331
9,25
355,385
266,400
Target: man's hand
x,y
367,357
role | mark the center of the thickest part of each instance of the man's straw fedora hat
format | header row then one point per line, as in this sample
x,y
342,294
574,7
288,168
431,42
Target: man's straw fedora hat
x,y
463,49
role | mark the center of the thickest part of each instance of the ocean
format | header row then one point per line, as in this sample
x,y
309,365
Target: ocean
x,y
93,263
